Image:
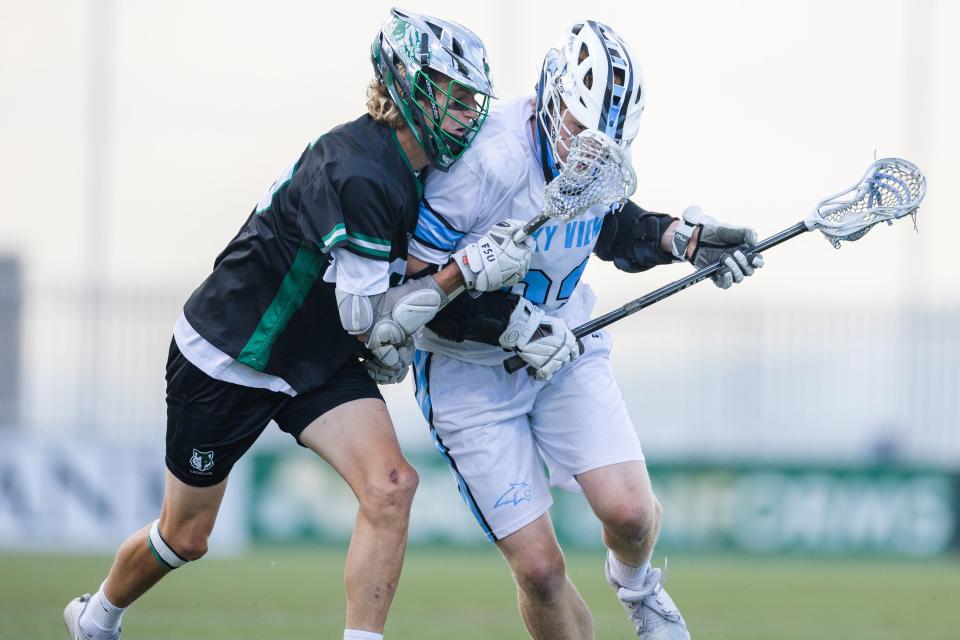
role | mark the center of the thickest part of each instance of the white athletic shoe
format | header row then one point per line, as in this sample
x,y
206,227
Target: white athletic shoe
x,y
651,608
71,618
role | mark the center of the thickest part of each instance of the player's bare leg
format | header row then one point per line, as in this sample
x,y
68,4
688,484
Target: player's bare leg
x,y
551,607
621,497
357,438
186,522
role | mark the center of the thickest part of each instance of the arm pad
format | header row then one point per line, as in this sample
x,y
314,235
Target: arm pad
x,y
630,238
480,319
408,306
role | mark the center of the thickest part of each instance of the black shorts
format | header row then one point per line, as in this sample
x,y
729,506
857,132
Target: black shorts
x,y
211,423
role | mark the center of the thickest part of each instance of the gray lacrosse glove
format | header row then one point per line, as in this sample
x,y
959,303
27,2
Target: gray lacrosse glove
x,y
495,260
544,342
718,242
401,312
400,355
388,321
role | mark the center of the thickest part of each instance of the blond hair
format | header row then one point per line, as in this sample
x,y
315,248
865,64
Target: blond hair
x,y
381,106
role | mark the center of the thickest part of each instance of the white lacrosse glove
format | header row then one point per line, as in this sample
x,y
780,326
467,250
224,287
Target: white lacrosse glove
x,y
495,260
544,342
718,242
375,362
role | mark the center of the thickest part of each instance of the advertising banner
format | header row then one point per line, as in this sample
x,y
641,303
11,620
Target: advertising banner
x,y
794,510
85,496
77,496
756,509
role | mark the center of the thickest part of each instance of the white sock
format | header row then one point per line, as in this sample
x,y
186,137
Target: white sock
x,y
626,575
101,619
354,634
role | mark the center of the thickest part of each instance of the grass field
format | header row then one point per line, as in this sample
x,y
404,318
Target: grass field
x,y
446,594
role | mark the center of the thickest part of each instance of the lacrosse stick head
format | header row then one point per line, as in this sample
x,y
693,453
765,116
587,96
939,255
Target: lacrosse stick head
x,y
891,188
596,172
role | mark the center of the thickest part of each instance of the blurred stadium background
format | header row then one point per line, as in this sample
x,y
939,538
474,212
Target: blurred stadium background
x,y
801,430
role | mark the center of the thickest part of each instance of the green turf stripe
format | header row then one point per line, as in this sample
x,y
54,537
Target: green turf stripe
x,y
293,290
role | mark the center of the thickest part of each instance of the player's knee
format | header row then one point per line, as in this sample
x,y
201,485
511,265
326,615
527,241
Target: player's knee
x,y
402,483
177,545
635,520
542,576
188,543
192,547
388,495
657,512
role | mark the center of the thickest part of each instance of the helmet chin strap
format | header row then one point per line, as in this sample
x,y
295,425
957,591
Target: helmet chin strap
x,y
542,139
426,141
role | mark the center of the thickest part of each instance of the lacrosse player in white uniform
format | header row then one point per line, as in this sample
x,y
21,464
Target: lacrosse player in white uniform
x,y
497,430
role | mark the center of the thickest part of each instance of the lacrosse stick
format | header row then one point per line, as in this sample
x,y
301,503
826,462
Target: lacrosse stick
x,y
596,173
890,189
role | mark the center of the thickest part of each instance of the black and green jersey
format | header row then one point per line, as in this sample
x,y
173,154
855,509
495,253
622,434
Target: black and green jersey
x,y
265,303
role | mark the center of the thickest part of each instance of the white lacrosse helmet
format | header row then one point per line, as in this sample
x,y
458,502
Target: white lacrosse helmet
x,y
591,73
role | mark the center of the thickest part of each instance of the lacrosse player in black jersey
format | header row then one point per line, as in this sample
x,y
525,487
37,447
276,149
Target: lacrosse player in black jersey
x,y
305,312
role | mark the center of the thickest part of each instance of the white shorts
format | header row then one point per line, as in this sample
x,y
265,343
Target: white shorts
x,y
497,430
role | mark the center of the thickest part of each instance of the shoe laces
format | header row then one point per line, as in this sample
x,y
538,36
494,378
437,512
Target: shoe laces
x,y
652,589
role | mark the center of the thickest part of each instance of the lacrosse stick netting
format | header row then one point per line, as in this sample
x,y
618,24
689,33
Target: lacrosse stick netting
x,y
596,173
890,188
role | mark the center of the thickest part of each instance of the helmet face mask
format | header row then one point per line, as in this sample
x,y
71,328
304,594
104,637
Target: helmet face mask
x,y
588,79
436,72
561,125
442,108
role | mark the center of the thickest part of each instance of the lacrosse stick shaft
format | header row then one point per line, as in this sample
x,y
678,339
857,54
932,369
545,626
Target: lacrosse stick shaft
x,y
529,228
515,363
679,285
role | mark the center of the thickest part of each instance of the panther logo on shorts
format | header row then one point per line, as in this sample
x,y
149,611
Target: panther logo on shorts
x,y
517,493
201,460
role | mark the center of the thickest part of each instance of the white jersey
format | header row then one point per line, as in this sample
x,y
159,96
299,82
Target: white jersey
x,y
500,177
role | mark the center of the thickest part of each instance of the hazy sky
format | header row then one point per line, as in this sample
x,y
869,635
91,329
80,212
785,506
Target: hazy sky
x,y
135,146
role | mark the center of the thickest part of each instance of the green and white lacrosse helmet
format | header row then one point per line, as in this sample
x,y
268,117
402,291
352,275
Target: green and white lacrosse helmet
x,y
420,59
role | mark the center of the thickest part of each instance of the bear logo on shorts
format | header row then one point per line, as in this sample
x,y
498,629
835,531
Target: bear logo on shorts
x,y
201,460
517,493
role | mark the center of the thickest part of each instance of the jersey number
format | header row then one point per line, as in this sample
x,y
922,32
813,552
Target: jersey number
x,y
537,285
